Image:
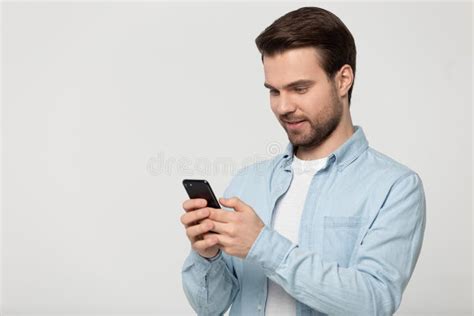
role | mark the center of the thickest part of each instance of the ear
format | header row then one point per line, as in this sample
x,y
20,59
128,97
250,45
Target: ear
x,y
344,79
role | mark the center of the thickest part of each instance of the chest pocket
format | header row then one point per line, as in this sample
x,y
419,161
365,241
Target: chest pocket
x,y
339,237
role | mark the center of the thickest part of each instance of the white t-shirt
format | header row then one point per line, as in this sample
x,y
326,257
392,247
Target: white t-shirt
x,y
286,220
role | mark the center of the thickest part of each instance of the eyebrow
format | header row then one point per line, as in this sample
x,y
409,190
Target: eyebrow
x,y
301,82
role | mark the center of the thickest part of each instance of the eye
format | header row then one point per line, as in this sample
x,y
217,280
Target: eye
x,y
300,90
274,92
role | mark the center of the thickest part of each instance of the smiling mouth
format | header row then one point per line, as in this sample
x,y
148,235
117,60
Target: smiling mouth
x,y
293,121
294,124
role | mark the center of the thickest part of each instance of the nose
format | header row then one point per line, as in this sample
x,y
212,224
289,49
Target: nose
x,y
284,104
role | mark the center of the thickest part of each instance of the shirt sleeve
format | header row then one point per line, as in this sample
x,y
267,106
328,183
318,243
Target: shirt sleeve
x,y
217,256
384,260
211,285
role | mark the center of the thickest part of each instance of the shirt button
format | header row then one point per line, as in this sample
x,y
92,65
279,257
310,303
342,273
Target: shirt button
x,y
259,307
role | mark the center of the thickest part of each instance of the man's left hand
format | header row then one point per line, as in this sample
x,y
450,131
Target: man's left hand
x,y
236,231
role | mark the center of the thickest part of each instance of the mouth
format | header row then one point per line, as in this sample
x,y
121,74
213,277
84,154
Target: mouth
x,y
294,124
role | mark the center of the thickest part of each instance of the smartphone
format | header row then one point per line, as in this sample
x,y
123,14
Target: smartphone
x,y
201,189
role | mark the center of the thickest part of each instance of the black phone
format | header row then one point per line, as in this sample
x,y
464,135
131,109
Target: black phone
x,y
201,189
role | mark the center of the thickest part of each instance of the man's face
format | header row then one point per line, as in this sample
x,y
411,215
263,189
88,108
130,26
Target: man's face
x,y
302,97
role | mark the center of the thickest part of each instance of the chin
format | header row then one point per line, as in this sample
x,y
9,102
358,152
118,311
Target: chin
x,y
297,141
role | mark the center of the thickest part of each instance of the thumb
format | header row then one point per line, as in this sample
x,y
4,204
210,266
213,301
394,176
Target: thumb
x,y
235,203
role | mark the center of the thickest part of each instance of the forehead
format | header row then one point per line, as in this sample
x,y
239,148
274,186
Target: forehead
x,y
291,65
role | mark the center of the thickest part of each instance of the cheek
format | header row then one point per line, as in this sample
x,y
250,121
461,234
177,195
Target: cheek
x,y
273,105
314,101
309,103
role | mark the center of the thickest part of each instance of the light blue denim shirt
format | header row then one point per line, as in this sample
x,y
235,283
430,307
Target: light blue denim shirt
x,y
360,235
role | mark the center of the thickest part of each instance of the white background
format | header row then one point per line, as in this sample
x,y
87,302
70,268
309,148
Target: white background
x,y
106,107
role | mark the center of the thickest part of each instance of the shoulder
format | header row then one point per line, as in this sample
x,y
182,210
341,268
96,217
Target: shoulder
x,y
385,165
259,168
384,172
253,175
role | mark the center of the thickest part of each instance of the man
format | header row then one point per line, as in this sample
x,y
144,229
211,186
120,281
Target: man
x,y
329,227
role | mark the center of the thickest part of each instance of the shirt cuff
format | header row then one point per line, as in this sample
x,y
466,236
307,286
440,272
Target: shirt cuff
x,y
269,249
203,263
217,256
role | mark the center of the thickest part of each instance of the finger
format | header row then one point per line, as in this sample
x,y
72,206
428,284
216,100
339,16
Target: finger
x,y
192,204
235,203
222,216
222,240
194,217
196,230
210,235
203,244
190,218
221,228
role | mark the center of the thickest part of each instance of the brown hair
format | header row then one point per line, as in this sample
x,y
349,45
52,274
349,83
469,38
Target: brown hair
x,y
311,27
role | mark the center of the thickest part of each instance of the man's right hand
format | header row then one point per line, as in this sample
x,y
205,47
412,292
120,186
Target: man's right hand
x,y
197,227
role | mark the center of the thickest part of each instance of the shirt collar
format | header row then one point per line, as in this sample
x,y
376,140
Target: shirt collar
x,y
343,155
